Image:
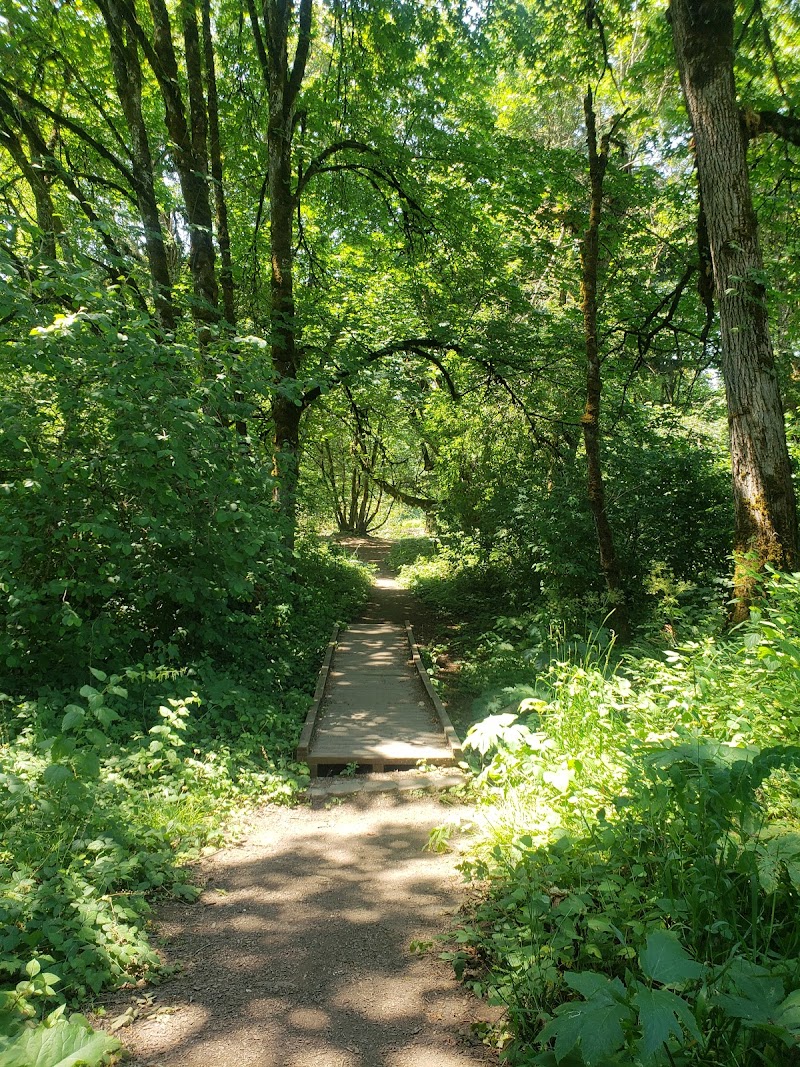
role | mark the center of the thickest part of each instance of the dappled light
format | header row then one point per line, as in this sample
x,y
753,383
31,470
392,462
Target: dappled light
x,y
325,317
375,710
298,951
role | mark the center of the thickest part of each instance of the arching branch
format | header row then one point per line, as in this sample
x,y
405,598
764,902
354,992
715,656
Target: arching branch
x,y
424,347
66,122
317,165
376,173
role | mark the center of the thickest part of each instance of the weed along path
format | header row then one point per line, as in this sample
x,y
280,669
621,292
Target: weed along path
x,y
299,951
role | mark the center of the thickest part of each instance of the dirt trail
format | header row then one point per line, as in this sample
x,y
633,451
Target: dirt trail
x,y
297,954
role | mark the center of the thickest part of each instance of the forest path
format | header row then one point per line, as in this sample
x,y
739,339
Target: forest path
x,y
376,712
297,954
298,951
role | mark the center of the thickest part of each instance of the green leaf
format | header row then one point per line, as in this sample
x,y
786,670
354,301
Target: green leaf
x,y
67,1044
73,716
755,993
101,676
777,854
763,1013
788,1014
92,695
590,984
105,716
56,774
594,1025
662,1015
666,961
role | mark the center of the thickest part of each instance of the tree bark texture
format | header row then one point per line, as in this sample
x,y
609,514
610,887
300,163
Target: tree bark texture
x,y
590,255
215,156
188,142
764,499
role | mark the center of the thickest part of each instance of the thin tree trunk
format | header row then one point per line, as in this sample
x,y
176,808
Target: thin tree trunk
x,y
215,156
128,79
764,500
45,212
283,85
590,254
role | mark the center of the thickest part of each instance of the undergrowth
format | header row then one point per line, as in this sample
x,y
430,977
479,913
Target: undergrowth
x,y
106,793
636,843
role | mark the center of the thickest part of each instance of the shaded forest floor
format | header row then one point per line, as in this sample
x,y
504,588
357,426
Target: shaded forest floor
x,y
299,952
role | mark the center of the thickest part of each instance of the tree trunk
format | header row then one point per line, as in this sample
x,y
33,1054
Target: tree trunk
x,y
286,415
33,174
764,500
286,410
128,79
215,157
188,144
283,85
590,254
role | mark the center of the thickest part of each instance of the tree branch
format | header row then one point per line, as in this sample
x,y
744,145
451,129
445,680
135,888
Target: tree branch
x,y
63,120
261,50
316,165
301,52
418,346
756,123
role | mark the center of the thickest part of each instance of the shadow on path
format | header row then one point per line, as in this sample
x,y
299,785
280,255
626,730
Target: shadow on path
x,y
298,953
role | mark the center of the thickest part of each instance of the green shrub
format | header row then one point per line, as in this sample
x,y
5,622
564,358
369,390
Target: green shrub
x,y
134,520
640,838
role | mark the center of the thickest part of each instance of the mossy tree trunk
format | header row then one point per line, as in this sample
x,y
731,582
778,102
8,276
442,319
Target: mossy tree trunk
x,y
272,28
764,500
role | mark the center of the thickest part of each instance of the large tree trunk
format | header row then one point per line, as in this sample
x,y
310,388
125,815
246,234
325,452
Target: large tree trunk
x,y
765,507
590,256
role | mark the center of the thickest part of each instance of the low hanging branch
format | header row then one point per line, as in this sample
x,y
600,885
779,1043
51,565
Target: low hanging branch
x,y
424,347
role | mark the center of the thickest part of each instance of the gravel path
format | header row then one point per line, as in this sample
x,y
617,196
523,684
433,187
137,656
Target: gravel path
x,y
297,954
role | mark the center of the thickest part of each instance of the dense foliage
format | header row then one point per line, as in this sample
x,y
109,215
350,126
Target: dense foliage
x,y
270,271
158,646
636,834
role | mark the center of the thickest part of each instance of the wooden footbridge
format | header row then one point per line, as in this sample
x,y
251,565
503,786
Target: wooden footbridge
x,y
374,707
